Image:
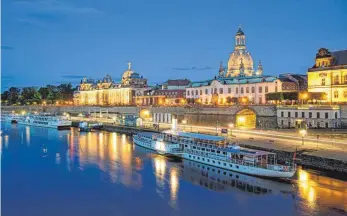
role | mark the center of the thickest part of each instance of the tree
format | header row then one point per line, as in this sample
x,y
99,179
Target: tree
x,y
234,100
44,92
229,100
14,94
30,95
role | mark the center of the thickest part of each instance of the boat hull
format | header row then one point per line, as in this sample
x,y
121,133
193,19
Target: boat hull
x,y
149,145
255,171
59,127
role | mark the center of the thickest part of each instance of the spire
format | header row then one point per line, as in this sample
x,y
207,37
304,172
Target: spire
x,y
240,39
221,70
129,66
259,69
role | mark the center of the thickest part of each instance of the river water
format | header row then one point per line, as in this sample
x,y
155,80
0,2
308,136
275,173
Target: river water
x,y
46,172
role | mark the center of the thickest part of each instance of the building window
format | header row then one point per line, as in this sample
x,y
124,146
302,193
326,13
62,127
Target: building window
x,y
220,90
303,115
247,89
276,89
211,90
345,94
296,114
241,90
345,79
206,91
192,92
229,90
282,114
336,94
310,114
215,90
252,89
289,114
237,90
326,115
323,81
336,80
200,92
335,115
197,92
187,92
266,89
326,125
318,114
260,89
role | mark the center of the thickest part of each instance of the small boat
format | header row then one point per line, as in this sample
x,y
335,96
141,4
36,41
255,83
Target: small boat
x,y
85,127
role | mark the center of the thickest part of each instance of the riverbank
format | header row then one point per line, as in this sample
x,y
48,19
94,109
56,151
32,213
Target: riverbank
x,y
305,156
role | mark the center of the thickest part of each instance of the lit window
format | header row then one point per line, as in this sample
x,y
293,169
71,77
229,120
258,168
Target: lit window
x,y
336,94
323,81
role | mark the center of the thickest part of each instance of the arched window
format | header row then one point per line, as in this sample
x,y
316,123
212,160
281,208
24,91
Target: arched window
x,y
336,80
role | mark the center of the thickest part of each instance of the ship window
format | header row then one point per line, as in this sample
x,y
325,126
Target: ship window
x,y
212,170
213,161
218,152
230,174
208,160
203,159
237,167
224,153
202,149
186,146
225,164
225,173
208,168
218,172
198,158
213,150
194,147
230,165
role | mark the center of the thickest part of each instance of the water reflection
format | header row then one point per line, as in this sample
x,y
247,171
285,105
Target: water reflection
x,y
121,164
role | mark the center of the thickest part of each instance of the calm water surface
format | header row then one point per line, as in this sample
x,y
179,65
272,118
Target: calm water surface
x,y
50,172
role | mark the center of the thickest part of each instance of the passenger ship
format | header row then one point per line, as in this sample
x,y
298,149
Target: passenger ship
x,y
215,151
12,117
47,120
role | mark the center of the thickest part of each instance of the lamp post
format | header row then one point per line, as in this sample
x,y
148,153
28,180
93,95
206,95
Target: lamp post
x,y
231,126
303,133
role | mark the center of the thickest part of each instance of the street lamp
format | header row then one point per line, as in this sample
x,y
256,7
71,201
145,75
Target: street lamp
x,y
231,126
303,133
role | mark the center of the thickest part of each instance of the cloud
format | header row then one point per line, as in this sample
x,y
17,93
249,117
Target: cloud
x,y
193,68
37,11
3,47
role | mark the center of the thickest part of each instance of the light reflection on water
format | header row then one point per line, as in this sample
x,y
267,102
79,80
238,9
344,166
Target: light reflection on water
x,y
179,187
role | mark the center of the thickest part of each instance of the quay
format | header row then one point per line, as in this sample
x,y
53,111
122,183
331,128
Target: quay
x,y
332,159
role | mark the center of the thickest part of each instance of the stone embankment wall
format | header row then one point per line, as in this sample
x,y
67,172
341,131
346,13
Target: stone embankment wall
x,y
343,116
307,160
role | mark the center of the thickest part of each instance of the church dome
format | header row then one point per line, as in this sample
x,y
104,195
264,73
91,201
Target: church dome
x,y
235,60
127,74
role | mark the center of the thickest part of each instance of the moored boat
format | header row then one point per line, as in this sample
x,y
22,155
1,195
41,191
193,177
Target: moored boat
x,y
216,151
47,120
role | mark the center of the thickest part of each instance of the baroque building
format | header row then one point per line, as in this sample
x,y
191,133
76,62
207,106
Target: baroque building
x,y
240,61
241,81
108,92
329,75
171,92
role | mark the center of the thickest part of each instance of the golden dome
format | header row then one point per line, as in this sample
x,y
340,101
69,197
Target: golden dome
x,y
127,74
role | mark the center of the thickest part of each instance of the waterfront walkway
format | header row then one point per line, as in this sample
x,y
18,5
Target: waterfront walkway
x,y
285,140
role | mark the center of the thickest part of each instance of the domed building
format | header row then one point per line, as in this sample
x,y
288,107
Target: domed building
x,y
241,62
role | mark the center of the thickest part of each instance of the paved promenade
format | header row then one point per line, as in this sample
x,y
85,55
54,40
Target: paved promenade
x,y
286,140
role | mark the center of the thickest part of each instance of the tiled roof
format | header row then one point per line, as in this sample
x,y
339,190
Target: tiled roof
x,y
235,80
340,57
177,82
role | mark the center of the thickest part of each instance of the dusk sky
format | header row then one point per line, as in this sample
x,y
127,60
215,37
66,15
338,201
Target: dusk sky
x,y
60,41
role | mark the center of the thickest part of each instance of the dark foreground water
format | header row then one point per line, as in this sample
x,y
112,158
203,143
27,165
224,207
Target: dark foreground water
x,y
46,172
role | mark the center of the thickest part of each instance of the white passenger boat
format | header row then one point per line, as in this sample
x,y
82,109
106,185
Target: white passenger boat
x,y
216,151
12,117
47,120
155,142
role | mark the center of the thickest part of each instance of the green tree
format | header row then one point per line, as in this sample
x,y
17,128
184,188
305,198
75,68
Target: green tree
x,y
14,94
44,92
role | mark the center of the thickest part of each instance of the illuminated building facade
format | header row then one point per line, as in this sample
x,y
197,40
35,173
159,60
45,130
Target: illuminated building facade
x,y
171,92
329,75
314,116
107,92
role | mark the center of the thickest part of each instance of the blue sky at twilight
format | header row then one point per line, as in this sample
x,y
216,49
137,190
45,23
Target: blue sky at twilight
x,y
59,41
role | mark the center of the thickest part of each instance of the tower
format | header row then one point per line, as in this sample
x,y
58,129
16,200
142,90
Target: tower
x,y
240,39
259,69
221,70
